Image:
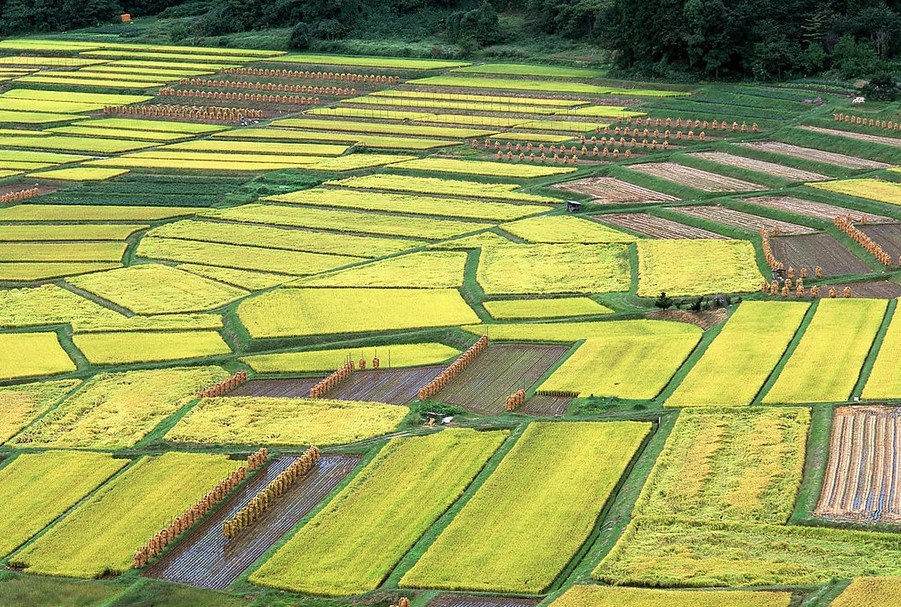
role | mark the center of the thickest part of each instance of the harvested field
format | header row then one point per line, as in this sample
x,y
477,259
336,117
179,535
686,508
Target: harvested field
x,y
812,250
886,236
208,560
480,600
694,178
654,227
892,141
880,289
498,372
796,151
610,190
392,386
816,210
542,405
760,166
745,221
292,388
864,463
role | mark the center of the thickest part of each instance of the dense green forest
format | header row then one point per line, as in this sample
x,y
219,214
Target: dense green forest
x,y
762,39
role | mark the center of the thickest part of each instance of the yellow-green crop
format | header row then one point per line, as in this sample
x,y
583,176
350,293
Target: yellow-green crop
x,y
22,404
613,596
696,267
242,420
116,410
556,480
32,354
149,346
390,356
513,309
355,541
736,365
884,380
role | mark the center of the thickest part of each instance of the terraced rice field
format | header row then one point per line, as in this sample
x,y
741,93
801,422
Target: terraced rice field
x,y
892,141
542,405
795,151
759,166
812,250
207,559
816,210
864,465
694,178
480,600
651,226
498,372
745,221
610,190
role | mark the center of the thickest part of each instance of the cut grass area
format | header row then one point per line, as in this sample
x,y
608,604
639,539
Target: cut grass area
x,y
452,187
815,373
696,267
157,289
552,268
611,596
355,541
32,354
102,534
565,229
149,346
298,312
390,356
22,404
475,167
557,479
297,263
729,465
884,381
63,477
116,410
422,270
737,364
42,591
627,359
347,221
244,420
518,309
408,203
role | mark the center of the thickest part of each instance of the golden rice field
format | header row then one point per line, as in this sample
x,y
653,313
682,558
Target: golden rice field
x,y
354,542
517,309
552,268
149,346
49,305
31,271
884,381
69,232
818,374
880,190
738,362
408,203
243,420
157,322
565,229
101,535
47,212
422,270
32,355
473,167
24,403
390,355
157,289
295,312
865,591
696,267
38,487
382,128
116,410
432,185
612,596
556,480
